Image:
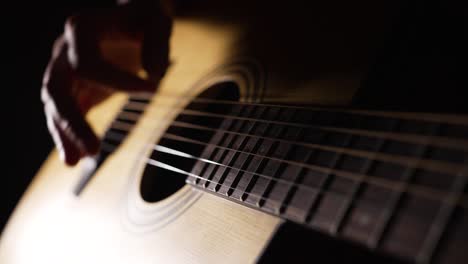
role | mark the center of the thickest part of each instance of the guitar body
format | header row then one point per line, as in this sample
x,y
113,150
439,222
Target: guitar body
x,y
271,60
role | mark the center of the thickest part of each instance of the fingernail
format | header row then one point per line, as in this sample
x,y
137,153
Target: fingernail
x,y
61,155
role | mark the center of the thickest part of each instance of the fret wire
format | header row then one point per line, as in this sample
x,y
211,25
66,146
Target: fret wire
x,y
239,175
219,156
272,150
253,181
248,160
280,170
440,223
269,188
205,165
243,141
440,141
293,188
232,125
222,152
329,178
264,165
347,207
423,191
383,221
323,183
212,155
428,117
390,211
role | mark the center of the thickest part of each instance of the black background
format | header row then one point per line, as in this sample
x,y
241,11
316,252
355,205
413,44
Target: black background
x,y
422,67
29,31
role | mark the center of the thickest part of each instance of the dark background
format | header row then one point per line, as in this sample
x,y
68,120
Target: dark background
x,y
30,31
422,67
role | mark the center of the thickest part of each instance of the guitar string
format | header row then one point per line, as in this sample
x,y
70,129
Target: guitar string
x,y
261,197
353,176
274,179
426,192
350,175
440,166
430,117
140,106
160,148
179,153
307,188
402,160
399,136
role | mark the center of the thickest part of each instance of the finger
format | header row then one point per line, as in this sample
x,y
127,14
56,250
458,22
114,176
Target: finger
x,y
55,135
68,152
82,35
88,94
62,107
70,120
71,152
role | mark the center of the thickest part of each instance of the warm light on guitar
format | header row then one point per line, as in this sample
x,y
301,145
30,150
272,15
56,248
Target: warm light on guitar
x,y
252,150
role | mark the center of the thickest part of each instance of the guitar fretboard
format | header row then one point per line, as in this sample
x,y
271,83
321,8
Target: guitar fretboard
x,y
393,182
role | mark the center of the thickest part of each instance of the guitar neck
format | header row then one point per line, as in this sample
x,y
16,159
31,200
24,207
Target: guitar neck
x,y
390,181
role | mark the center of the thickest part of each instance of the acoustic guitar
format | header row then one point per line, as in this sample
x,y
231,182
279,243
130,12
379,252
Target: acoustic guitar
x,y
251,150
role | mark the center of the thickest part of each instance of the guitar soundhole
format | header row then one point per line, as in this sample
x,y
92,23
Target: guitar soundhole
x,y
159,183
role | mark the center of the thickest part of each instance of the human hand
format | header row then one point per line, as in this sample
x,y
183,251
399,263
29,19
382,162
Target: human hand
x,y
78,77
